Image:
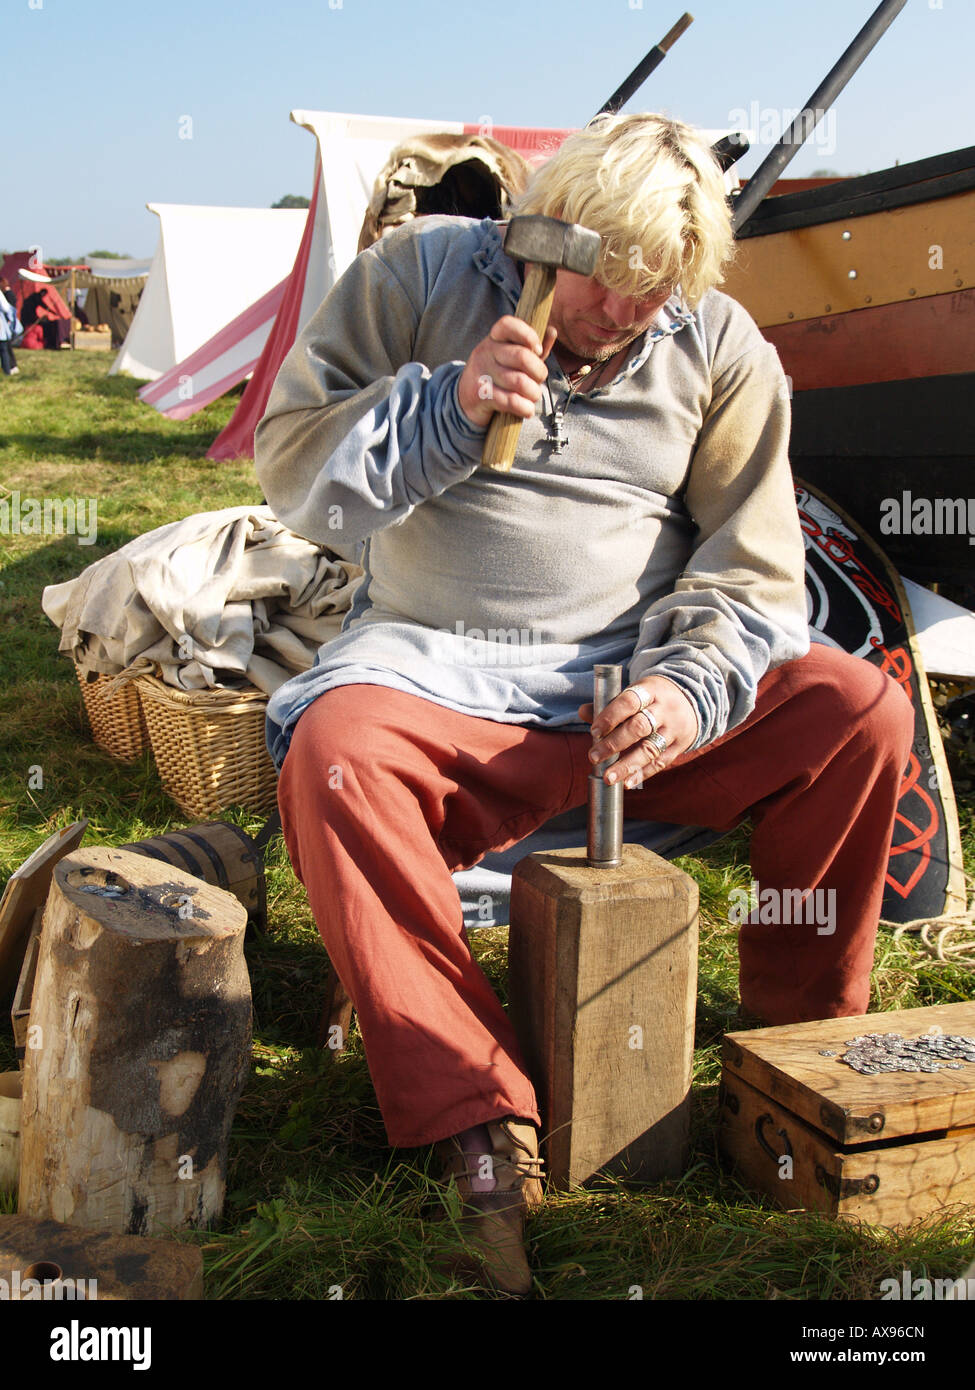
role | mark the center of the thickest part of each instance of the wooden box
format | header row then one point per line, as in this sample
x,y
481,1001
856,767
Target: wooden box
x,y
814,1135
93,340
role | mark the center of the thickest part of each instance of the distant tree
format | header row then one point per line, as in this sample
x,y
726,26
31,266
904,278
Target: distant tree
x,y
109,255
831,174
292,200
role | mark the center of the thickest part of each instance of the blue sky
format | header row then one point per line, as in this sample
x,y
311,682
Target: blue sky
x,y
94,90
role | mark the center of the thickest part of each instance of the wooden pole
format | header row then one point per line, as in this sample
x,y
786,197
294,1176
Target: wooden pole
x,y
137,1048
602,981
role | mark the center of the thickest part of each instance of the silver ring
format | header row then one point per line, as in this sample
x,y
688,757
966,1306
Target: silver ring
x,y
657,740
643,695
648,716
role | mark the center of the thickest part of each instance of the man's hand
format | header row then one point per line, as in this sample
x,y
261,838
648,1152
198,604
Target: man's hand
x,y
622,726
505,372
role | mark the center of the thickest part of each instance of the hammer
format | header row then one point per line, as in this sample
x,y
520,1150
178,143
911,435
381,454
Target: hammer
x,y
548,245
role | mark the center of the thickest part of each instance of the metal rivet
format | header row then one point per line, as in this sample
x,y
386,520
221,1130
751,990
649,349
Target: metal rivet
x,y
868,299
912,291
828,308
959,282
852,274
791,314
847,235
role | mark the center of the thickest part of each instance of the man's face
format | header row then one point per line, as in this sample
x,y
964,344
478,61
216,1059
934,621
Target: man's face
x,y
595,322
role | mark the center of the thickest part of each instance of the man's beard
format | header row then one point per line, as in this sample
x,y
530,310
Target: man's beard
x,y
596,352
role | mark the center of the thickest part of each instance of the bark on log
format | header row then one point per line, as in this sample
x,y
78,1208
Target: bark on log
x,y
138,1047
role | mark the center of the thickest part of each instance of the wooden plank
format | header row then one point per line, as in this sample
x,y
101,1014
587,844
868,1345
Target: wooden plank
x,y
898,1183
26,891
602,972
926,337
842,195
844,209
20,1008
805,274
925,418
784,1064
124,1267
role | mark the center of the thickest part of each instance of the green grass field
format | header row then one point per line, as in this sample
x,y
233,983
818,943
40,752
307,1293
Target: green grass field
x,y
318,1206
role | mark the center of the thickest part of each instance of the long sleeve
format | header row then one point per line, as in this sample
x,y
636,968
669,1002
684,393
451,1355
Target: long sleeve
x,y
738,609
356,432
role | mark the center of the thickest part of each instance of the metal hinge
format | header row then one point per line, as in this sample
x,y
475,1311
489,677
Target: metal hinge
x,y
840,1123
846,1187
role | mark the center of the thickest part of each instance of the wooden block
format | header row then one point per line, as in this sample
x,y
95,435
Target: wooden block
x,y
123,1267
815,1135
602,978
93,340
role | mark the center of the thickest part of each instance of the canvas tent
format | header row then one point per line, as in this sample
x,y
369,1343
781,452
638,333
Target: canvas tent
x,y
106,289
351,151
210,264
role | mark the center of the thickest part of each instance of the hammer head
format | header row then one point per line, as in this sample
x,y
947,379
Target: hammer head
x,y
549,242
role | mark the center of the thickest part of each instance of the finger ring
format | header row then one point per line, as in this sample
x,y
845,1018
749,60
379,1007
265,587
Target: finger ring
x,y
642,694
650,720
656,740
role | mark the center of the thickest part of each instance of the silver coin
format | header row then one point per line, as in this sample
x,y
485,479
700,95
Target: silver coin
x,y
910,1066
953,1066
825,1052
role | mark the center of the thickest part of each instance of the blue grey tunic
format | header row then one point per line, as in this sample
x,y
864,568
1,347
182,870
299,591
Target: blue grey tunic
x,y
664,537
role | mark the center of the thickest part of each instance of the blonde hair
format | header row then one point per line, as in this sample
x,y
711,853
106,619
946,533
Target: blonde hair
x,y
654,192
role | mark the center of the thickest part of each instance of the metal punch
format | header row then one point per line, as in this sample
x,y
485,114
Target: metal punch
x,y
605,836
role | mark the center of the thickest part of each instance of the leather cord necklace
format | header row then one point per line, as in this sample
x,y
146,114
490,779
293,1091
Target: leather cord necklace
x,y
588,375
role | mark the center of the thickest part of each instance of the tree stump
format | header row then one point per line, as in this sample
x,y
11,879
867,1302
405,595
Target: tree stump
x,y
137,1049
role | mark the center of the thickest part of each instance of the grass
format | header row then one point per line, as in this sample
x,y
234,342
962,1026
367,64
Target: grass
x,y
317,1205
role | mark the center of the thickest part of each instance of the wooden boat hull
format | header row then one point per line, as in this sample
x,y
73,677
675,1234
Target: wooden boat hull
x,y
866,287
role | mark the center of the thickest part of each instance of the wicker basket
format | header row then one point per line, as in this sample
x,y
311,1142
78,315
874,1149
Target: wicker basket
x,y
209,747
115,717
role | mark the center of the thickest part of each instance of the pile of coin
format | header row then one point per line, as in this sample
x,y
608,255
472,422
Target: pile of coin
x,y
871,1053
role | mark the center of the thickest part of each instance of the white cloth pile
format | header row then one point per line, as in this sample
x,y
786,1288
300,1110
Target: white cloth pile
x,y
216,600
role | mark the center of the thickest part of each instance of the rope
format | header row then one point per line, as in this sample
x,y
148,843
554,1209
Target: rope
x,y
959,952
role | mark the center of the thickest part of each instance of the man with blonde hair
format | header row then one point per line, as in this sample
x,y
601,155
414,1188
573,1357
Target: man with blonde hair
x,y
649,520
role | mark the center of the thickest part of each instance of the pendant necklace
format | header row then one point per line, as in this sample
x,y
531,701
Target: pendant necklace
x,y
557,436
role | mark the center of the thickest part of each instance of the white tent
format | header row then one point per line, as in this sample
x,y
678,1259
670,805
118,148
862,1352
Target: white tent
x,y
351,152
210,264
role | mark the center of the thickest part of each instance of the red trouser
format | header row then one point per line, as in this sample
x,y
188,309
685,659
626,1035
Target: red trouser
x,y
383,795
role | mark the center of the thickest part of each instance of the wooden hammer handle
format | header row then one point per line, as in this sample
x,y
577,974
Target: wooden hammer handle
x,y
534,307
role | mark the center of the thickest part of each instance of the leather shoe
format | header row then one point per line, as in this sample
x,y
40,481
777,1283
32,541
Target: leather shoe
x,y
495,1219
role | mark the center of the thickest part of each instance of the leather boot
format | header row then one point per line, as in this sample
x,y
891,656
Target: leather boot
x,y
495,1219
